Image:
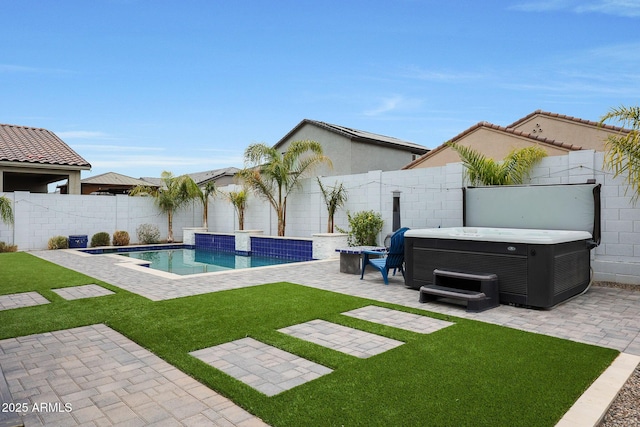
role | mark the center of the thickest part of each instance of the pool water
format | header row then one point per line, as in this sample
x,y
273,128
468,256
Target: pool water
x,y
194,261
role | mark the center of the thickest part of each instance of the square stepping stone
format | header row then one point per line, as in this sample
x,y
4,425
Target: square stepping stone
x,y
341,338
398,319
84,291
24,299
261,366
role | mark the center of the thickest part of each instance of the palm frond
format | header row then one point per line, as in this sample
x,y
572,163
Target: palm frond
x,y
622,151
6,212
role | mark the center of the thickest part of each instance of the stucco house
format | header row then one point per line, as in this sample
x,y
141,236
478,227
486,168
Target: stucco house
x,y
33,158
220,177
353,151
557,134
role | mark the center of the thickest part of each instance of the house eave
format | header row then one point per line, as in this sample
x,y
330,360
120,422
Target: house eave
x,y
4,164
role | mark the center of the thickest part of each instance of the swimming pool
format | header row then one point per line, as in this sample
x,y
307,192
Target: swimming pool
x,y
194,261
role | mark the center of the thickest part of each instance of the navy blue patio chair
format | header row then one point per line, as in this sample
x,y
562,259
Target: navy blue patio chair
x,y
394,257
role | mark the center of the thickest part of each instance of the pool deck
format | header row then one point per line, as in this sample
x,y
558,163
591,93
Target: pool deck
x,y
608,317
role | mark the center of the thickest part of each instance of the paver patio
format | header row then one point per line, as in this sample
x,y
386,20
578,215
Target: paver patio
x,y
95,376
608,317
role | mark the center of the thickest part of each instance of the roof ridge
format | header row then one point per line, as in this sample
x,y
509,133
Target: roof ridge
x,y
24,127
566,117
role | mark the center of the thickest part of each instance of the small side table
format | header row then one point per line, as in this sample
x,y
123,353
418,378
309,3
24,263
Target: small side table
x,y
350,257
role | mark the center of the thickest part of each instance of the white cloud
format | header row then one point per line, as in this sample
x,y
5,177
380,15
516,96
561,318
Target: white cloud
x,y
164,162
12,68
394,103
439,75
82,134
114,148
541,6
626,8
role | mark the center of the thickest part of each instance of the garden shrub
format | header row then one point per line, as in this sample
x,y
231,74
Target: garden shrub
x,y
148,233
59,242
364,228
100,239
5,247
120,238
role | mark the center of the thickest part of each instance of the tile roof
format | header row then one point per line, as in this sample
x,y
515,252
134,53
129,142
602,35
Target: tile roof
x,y
34,145
359,136
487,125
565,117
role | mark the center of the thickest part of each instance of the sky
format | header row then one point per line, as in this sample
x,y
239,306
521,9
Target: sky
x,y
138,87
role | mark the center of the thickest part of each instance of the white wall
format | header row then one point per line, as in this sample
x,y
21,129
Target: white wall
x,y
38,217
430,197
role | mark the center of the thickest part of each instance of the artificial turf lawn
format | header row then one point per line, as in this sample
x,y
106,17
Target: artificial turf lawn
x,y
470,373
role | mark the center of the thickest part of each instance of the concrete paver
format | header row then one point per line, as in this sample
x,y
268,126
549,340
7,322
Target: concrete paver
x,y
24,299
261,366
341,338
399,319
84,291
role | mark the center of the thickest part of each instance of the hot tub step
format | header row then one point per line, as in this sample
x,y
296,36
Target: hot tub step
x,y
479,290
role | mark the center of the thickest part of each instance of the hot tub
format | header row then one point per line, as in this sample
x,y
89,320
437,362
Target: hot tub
x,y
536,267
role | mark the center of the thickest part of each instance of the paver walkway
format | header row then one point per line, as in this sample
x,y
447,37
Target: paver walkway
x,y
94,376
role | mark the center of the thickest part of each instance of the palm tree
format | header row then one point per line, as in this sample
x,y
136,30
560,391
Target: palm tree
x,y
6,213
514,169
623,150
172,196
274,175
206,191
334,198
239,201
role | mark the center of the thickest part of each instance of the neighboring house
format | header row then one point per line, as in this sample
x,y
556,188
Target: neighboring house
x,y
555,133
221,177
353,151
33,158
109,183
570,130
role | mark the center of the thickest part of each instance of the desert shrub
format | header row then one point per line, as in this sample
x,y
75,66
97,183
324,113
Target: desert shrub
x,y
58,242
100,239
5,247
120,238
364,228
148,233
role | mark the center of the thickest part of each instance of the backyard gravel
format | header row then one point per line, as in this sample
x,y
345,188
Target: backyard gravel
x,y
625,409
